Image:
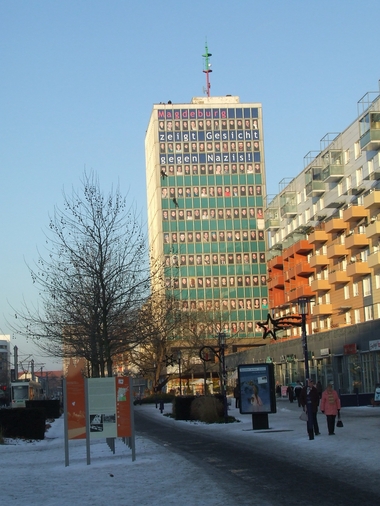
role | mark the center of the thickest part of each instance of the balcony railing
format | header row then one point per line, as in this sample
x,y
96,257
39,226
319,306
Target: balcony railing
x,y
370,141
332,173
374,259
322,309
356,241
318,260
338,277
355,213
303,269
318,236
336,250
372,200
320,285
358,269
373,229
335,225
314,188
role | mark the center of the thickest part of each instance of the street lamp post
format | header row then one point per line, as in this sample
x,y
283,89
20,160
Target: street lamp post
x,y
219,352
302,309
179,357
222,344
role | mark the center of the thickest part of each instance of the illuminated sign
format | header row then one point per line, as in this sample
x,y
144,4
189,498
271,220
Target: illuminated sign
x,y
257,388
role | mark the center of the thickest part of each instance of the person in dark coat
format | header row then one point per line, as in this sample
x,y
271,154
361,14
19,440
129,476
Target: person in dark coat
x,y
237,395
319,389
297,392
290,393
314,397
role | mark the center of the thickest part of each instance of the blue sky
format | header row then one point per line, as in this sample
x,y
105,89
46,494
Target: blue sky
x,y
79,78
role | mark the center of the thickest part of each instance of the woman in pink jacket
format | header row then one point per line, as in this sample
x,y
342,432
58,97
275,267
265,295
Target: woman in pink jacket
x,y
330,406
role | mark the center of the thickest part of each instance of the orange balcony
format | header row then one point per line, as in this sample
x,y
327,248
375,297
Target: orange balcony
x,y
303,247
338,277
276,281
291,272
373,259
276,298
373,229
372,200
303,269
355,213
322,309
279,280
276,262
318,236
336,250
300,291
288,252
320,285
318,260
358,269
356,241
335,225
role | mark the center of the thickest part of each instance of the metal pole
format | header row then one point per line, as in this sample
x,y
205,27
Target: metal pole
x,y
221,337
179,356
309,409
180,376
15,351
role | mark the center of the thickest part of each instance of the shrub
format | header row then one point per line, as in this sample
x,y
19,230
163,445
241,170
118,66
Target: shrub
x,y
27,423
52,407
207,409
182,407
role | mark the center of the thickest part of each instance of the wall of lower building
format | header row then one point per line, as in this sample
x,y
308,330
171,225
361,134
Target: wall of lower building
x,y
349,357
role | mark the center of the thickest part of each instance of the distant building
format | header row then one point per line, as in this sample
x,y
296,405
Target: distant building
x,y
5,356
205,172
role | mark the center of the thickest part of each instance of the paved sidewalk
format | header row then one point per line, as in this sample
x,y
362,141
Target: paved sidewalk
x,y
355,447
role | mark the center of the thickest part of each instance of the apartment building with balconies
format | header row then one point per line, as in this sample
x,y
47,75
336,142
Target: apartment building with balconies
x,y
323,229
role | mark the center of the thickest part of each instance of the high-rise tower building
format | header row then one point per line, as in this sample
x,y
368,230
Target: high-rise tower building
x,y
205,186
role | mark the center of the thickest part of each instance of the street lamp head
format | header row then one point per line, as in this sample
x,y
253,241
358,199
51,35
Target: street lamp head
x,y
302,305
222,338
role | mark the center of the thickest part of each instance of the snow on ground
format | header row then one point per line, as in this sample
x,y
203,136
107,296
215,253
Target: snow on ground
x,y
34,473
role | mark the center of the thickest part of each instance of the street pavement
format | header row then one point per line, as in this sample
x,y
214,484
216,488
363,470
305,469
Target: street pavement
x,y
348,461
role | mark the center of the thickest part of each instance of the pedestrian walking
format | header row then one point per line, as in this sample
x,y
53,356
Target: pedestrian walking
x,y
330,406
290,393
297,392
319,389
314,398
237,395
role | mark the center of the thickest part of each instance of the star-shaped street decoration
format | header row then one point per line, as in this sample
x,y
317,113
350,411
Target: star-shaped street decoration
x,y
169,360
271,326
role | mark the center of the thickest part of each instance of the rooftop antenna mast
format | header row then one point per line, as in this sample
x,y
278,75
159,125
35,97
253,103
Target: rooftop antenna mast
x,y
207,70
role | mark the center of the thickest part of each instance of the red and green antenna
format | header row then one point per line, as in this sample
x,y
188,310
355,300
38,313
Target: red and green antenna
x,y
207,70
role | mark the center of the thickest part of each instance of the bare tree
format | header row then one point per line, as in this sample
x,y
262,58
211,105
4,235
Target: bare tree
x,y
200,329
166,331
92,281
157,326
